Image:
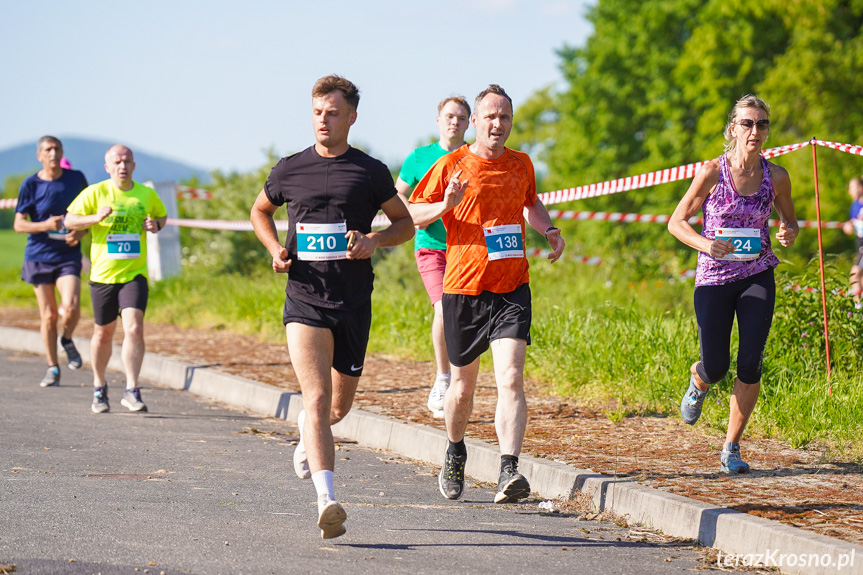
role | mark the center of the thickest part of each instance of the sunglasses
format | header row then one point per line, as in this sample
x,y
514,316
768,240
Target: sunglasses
x,y
749,124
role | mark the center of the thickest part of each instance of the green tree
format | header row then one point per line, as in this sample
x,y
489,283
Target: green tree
x,y
653,86
233,196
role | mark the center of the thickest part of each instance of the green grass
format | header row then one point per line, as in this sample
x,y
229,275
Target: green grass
x,y
11,249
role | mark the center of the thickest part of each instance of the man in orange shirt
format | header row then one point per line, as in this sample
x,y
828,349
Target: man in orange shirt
x,y
483,192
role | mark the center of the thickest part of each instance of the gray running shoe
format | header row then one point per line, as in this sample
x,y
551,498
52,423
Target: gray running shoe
x,y
511,486
451,478
100,400
730,461
132,400
331,519
692,402
301,460
73,358
52,377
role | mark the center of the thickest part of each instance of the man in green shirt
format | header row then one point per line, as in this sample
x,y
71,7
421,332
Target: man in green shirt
x,y
430,241
119,211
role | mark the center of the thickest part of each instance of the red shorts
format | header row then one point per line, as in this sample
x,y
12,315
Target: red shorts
x,y
432,264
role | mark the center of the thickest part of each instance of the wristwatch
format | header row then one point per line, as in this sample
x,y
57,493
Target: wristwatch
x,y
551,229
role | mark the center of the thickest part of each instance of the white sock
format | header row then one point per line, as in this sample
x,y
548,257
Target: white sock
x,y
323,481
443,377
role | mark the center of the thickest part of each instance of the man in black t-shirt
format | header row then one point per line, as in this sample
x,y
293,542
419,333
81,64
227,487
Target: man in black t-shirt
x,y
332,192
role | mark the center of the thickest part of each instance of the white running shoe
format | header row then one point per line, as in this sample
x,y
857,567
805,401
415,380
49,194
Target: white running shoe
x,y
301,460
438,390
331,519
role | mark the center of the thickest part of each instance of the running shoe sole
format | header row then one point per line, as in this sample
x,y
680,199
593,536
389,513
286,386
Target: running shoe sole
x,y
131,406
331,520
517,488
725,469
100,407
52,381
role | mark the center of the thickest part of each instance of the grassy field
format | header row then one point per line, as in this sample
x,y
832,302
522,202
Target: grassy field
x,y
621,335
611,335
11,249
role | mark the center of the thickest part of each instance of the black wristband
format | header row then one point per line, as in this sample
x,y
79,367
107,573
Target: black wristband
x,y
158,226
551,229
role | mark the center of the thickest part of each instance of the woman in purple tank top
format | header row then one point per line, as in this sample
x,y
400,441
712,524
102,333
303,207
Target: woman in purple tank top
x,y
737,193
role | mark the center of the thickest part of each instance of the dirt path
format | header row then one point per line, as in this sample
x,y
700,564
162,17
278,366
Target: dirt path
x,y
798,487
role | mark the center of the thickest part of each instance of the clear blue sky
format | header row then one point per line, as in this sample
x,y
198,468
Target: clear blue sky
x,y
214,83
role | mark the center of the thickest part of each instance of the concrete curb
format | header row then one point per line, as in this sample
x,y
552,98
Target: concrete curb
x,y
735,533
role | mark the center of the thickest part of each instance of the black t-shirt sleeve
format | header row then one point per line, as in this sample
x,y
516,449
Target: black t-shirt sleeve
x,y
382,183
272,187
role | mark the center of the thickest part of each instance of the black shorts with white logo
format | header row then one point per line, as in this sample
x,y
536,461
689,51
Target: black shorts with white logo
x,y
472,322
350,330
110,299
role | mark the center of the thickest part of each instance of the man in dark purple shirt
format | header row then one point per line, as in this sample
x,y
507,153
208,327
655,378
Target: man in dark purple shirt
x,y
52,258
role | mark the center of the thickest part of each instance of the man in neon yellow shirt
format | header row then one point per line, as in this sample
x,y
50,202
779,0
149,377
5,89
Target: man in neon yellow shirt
x,y
119,211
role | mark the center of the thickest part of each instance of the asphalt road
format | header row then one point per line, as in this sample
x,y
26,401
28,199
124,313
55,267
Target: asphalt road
x,y
192,487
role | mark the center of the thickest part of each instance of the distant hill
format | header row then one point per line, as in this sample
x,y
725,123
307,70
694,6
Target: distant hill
x,y
89,157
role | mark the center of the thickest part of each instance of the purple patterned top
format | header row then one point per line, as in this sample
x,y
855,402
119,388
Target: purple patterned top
x,y
725,208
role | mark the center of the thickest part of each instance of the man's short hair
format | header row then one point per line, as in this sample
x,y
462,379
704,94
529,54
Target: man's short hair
x,y
492,89
332,83
45,139
460,100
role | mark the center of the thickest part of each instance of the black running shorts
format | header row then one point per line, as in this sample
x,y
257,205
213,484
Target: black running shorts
x,y
109,299
350,330
472,322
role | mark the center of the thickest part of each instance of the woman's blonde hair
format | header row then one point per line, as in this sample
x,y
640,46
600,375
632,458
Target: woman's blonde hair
x,y
747,101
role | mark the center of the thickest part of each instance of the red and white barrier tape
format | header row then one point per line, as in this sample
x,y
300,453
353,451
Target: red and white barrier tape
x,y
659,219
543,253
644,180
229,225
848,148
187,193
8,203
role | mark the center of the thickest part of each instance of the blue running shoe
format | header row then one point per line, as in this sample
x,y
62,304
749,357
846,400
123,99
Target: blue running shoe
x,y
730,459
693,400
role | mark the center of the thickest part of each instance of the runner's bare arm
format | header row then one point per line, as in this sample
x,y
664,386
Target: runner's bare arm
x,y
73,238
538,218
79,222
23,225
400,230
265,228
788,227
678,225
404,190
153,225
426,213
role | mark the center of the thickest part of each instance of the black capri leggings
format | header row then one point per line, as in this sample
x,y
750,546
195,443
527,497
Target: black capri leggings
x,y
752,299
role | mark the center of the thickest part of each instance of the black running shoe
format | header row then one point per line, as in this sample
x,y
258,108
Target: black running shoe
x,y
451,478
511,486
